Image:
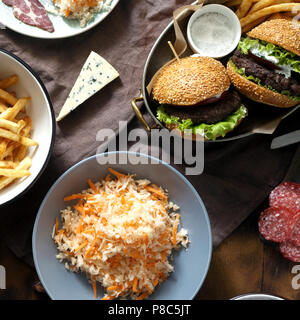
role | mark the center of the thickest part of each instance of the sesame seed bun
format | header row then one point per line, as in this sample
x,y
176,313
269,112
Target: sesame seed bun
x,y
257,93
190,81
282,32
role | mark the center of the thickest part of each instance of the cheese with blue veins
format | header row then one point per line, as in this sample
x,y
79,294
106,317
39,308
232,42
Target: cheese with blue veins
x,y
95,74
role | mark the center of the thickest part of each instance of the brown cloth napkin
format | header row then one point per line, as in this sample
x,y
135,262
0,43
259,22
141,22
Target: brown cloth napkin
x,y
238,175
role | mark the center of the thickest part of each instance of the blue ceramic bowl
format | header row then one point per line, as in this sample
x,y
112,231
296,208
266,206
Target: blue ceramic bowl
x,y
190,266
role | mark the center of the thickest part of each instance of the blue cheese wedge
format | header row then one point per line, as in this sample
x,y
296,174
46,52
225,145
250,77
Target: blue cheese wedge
x,y
95,74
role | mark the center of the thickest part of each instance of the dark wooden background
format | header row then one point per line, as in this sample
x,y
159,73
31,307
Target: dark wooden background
x,y
241,264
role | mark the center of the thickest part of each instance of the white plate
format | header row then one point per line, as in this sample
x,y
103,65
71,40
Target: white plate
x,y
63,28
43,124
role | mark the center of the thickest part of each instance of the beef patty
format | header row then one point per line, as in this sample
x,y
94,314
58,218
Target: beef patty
x,y
208,113
268,77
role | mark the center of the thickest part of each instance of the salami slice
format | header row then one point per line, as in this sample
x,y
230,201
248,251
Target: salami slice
x,y
276,224
295,233
286,195
290,251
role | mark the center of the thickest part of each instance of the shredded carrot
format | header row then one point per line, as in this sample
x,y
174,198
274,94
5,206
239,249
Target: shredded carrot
x,y
81,246
67,13
108,298
61,232
142,296
115,288
95,289
116,173
90,248
135,284
175,229
80,209
79,228
91,230
56,226
107,178
155,282
76,196
148,288
157,192
92,186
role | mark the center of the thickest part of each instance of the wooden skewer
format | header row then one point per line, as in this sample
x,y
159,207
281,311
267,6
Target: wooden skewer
x,y
173,50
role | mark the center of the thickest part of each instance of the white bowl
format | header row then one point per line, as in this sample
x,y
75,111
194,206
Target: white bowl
x,y
256,296
234,21
43,122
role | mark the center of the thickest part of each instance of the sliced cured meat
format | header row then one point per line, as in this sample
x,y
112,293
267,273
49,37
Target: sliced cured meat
x,y
9,2
286,195
290,251
295,233
276,224
31,12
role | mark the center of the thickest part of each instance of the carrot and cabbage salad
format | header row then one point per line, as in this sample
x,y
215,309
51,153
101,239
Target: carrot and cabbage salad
x,y
121,233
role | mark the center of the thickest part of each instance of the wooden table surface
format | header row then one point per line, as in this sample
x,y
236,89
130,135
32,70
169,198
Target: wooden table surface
x,y
241,264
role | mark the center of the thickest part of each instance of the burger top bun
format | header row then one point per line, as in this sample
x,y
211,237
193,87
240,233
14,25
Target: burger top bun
x,y
281,32
189,81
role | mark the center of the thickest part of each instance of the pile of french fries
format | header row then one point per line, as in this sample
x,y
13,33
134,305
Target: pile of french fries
x,y
15,126
253,12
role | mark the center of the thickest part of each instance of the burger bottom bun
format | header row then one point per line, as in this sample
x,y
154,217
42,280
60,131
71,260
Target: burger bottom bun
x,y
257,93
193,136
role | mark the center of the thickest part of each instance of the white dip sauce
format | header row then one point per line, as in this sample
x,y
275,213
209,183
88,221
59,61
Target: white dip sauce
x,y
213,33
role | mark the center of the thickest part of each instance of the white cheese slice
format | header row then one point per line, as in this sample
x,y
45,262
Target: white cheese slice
x,y
95,74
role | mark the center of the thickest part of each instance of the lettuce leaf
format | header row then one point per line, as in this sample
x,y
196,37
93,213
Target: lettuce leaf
x,y
283,56
242,72
209,131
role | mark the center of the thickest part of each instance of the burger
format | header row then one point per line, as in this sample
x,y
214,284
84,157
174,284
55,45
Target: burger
x,y
194,93
266,65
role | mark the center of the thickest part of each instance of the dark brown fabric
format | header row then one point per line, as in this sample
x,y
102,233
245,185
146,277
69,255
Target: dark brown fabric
x,y
238,175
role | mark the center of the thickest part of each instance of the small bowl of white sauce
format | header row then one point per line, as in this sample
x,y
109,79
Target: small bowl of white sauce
x,y
214,31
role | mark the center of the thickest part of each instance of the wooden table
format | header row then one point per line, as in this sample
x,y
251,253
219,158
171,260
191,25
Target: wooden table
x,y
241,264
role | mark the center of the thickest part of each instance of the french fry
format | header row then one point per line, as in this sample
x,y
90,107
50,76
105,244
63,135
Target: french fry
x,y
20,153
243,8
3,107
7,164
21,125
3,145
14,173
282,15
9,125
17,138
266,3
269,10
253,24
27,128
7,97
9,150
24,165
5,83
11,113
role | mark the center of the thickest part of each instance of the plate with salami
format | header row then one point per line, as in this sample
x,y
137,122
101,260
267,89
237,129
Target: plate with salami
x,y
54,19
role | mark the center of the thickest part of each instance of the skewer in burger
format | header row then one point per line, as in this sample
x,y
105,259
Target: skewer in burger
x,y
194,93
266,65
